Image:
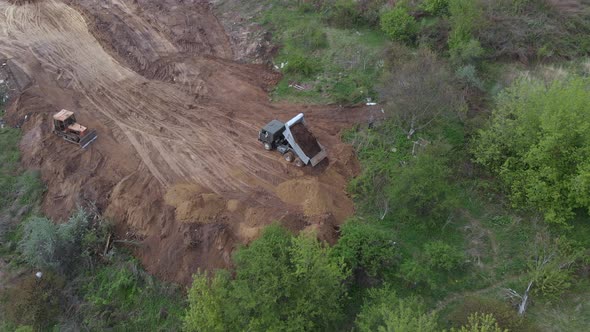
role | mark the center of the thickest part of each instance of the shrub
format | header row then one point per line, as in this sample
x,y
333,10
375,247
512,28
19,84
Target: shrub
x,y
480,323
399,25
422,193
464,51
302,65
416,272
554,264
347,91
385,311
465,15
122,297
435,7
419,90
370,10
503,313
468,76
308,38
60,247
367,247
344,14
440,255
434,35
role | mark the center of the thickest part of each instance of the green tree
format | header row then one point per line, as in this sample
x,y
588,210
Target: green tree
x,y
399,25
422,191
538,143
384,311
51,246
367,247
281,283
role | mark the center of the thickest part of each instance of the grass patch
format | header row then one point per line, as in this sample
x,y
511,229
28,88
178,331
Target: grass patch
x,y
123,297
20,191
329,65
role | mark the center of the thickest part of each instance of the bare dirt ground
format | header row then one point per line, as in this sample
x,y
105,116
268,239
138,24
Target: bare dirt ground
x,y
177,165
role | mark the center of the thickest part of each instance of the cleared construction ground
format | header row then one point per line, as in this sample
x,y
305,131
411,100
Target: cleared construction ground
x,y
177,165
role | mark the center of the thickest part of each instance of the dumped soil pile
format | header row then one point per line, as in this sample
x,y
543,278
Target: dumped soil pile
x,y
305,139
177,165
194,203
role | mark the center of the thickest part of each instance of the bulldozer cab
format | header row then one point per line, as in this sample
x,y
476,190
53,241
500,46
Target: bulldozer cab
x,y
272,132
63,119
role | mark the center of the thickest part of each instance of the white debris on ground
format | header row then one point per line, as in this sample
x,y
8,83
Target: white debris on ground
x,y
370,102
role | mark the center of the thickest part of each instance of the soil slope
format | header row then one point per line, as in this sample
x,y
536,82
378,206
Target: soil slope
x,y
177,165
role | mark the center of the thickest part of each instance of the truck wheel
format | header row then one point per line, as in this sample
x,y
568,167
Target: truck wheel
x,y
298,162
267,146
289,156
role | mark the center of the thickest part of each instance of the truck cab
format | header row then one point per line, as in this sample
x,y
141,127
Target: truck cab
x,y
271,135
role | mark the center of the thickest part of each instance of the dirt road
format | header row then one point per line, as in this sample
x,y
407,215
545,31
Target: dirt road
x,y
177,165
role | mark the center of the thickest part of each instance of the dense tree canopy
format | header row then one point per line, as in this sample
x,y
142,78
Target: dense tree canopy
x,y
282,283
538,143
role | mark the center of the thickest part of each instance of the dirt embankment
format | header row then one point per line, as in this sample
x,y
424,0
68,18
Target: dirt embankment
x,y
177,165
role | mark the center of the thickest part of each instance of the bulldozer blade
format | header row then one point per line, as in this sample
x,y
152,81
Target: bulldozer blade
x,y
88,139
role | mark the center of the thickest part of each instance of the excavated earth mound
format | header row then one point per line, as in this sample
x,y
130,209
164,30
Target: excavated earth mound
x,y
305,139
176,165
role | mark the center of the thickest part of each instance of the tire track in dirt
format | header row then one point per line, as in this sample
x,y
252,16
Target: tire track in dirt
x,y
171,109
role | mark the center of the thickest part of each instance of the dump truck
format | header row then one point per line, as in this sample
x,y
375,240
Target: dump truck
x,y
293,140
66,127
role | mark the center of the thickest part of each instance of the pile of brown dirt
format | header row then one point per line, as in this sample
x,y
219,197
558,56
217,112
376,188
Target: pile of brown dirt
x,y
316,197
305,139
193,203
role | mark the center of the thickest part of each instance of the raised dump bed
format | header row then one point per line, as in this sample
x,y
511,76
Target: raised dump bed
x,y
303,143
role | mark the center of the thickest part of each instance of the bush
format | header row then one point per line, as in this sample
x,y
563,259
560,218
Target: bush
x,y
302,65
416,272
435,7
422,193
347,91
418,90
554,263
308,38
385,311
465,16
22,188
122,297
370,11
537,143
503,313
480,323
367,247
440,255
344,14
60,247
468,76
399,25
